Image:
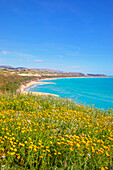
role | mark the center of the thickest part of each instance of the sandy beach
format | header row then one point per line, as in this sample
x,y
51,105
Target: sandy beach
x,y
31,83
39,81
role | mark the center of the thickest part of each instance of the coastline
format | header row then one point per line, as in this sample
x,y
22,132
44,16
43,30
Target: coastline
x,y
31,83
54,78
23,87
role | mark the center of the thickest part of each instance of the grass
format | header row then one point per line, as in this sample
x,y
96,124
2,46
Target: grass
x,y
53,133
10,83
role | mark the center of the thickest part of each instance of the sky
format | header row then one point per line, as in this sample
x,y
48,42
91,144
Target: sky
x,y
66,35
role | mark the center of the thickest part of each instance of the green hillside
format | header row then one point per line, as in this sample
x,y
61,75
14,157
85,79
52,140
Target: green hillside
x,y
53,133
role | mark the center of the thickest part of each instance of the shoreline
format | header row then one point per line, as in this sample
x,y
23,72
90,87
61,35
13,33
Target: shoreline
x,y
31,83
23,87
54,78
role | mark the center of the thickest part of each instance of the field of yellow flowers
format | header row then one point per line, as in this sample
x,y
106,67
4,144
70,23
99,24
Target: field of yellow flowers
x,y
52,133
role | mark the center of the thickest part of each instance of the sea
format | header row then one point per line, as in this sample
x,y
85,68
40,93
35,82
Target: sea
x,y
97,92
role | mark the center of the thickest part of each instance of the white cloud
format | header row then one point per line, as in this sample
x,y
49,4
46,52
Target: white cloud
x,y
4,52
38,60
21,55
17,54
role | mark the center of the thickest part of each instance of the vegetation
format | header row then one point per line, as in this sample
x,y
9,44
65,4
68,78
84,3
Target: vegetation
x,y
45,73
11,78
53,133
10,83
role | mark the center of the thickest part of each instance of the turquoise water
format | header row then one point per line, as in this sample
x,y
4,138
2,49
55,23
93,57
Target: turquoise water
x,y
88,91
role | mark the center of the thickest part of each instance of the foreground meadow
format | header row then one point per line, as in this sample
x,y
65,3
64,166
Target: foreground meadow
x,y
53,133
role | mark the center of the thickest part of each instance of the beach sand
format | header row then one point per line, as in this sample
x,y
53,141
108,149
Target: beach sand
x,y
31,83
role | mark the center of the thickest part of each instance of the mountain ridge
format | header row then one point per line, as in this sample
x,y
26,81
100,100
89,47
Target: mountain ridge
x,y
55,73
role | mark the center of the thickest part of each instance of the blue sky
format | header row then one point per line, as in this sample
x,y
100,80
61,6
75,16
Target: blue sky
x,y
67,35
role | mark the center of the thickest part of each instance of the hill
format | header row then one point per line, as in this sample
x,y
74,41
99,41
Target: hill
x,y
47,73
53,133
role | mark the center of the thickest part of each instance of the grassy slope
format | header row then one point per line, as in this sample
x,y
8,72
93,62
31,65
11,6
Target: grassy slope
x,y
53,133
10,83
